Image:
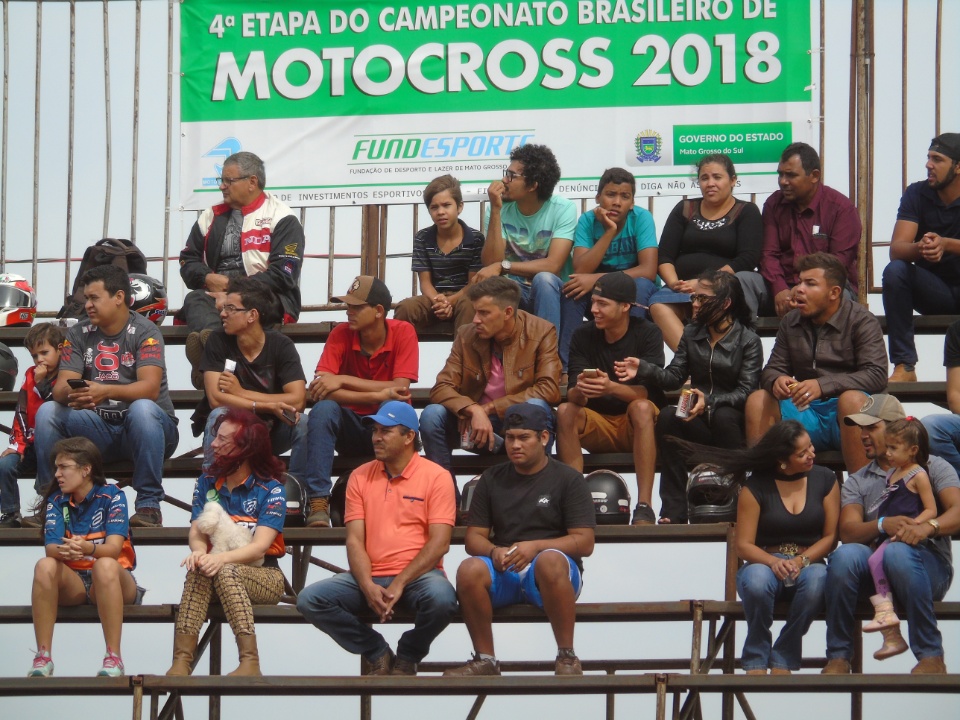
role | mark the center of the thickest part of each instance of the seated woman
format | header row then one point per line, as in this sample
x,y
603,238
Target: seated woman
x,y
787,517
445,257
715,232
242,480
89,557
722,356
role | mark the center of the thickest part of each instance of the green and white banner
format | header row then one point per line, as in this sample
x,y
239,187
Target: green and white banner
x,y
366,102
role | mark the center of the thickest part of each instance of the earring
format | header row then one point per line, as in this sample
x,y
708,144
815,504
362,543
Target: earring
x,y
783,466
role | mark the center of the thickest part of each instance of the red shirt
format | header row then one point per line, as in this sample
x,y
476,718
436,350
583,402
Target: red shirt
x,y
788,234
398,357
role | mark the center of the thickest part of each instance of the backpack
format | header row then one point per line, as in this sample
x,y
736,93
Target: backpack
x,y
109,251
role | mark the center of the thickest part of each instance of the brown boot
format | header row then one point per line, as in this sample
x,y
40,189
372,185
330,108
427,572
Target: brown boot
x,y
901,374
249,657
930,666
893,643
837,666
184,648
319,512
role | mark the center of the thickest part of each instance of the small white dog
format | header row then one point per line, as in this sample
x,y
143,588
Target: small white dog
x,y
223,532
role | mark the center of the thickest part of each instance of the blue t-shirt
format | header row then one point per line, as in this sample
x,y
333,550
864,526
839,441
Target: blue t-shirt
x,y
922,205
253,503
527,237
101,513
638,234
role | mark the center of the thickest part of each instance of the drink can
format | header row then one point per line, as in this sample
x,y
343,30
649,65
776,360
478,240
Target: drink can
x,y
465,442
685,403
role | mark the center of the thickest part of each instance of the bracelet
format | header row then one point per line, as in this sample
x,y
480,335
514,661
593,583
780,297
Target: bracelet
x,y
254,407
880,524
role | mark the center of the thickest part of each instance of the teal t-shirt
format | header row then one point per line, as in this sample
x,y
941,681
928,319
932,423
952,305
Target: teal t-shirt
x,y
527,237
638,234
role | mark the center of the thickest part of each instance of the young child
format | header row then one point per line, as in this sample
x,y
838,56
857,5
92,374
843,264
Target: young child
x,y
908,494
43,341
446,256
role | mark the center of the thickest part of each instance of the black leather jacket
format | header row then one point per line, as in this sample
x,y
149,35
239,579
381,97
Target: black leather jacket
x,y
726,373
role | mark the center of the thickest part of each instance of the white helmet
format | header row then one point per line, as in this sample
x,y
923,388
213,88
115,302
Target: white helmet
x,y
18,301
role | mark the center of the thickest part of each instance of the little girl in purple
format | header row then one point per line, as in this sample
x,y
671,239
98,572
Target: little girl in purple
x,y
908,494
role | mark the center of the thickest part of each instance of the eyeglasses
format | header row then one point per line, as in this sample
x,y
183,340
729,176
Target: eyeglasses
x,y
700,297
231,181
510,175
231,309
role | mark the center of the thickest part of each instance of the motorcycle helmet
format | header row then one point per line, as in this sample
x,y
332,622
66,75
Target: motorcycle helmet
x,y
611,498
8,368
466,497
712,495
148,297
18,301
338,500
293,489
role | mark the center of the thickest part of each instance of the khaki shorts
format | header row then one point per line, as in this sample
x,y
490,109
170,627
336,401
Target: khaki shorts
x,y
608,433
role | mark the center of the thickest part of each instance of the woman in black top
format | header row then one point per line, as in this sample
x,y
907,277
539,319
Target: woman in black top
x,y
722,356
787,518
715,232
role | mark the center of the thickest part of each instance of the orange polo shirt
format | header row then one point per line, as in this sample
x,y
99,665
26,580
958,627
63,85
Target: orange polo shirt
x,y
397,512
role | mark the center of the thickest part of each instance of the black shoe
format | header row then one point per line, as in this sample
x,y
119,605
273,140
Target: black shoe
x,y
37,520
383,665
643,515
11,519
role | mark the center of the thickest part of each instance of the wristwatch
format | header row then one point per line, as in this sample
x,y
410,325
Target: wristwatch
x,y
804,560
936,527
505,265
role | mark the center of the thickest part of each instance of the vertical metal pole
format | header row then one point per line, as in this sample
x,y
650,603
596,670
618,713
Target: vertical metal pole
x,y
866,268
70,139
136,124
823,77
862,59
331,250
382,255
3,142
370,240
903,96
108,160
936,69
169,148
216,658
36,145
611,705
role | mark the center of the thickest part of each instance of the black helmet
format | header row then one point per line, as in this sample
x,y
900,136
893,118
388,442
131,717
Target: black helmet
x,y
611,498
148,297
712,495
8,368
466,497
293,489
338,500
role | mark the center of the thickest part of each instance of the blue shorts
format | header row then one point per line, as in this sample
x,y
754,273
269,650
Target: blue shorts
x,y
512,588
668,297
86,577
819,420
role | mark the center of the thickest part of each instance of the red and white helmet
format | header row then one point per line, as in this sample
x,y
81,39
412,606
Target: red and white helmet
x,y
18,301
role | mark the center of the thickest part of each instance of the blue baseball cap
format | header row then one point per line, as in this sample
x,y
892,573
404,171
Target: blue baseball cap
x,y
395,412
526,416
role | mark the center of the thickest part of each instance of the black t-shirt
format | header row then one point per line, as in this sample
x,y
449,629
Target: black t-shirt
x,y
277,365
951,346
531,507
698,244
776,525
589,349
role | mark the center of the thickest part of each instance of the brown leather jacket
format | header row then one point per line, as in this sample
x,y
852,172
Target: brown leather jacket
x,y
531,367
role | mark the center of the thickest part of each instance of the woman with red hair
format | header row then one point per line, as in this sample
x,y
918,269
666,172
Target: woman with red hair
x,y
243,481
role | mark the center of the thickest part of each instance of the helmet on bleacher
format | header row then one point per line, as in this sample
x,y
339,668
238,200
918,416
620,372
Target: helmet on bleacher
x,y
18,301
8,368
148,297
293,489
712,495
466,497
611,498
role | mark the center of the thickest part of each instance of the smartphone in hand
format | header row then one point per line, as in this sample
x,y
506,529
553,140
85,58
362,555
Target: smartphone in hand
x,y
77,384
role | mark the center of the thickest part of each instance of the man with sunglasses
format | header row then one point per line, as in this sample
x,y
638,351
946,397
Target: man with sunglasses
x,y
249,365
250,234
530,231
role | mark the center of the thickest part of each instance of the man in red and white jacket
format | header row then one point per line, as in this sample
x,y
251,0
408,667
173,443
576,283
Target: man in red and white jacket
x,y
250,234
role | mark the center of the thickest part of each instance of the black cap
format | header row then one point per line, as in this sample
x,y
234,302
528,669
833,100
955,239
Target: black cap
x,y
617,286
366,290
947,144
526,416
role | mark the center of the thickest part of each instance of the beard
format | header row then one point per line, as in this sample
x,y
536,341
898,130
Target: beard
x,y
951,176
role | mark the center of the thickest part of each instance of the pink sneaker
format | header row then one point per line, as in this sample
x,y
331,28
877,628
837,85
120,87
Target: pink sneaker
x,y
112,665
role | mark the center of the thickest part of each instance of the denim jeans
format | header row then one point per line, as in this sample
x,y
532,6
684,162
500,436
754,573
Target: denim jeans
x,y
440,432
944,432
907,287
147,436
542,298
573,312
334,604
13,467
759,589
330,428
283,437
918,577
200,312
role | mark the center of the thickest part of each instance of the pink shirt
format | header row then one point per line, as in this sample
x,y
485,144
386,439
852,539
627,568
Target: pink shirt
x,y
496,385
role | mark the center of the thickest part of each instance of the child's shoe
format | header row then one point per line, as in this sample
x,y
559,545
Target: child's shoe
x,y
42,664
884,616
893,644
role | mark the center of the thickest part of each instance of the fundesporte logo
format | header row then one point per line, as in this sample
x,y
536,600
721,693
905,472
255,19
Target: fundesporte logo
x,y
648,145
